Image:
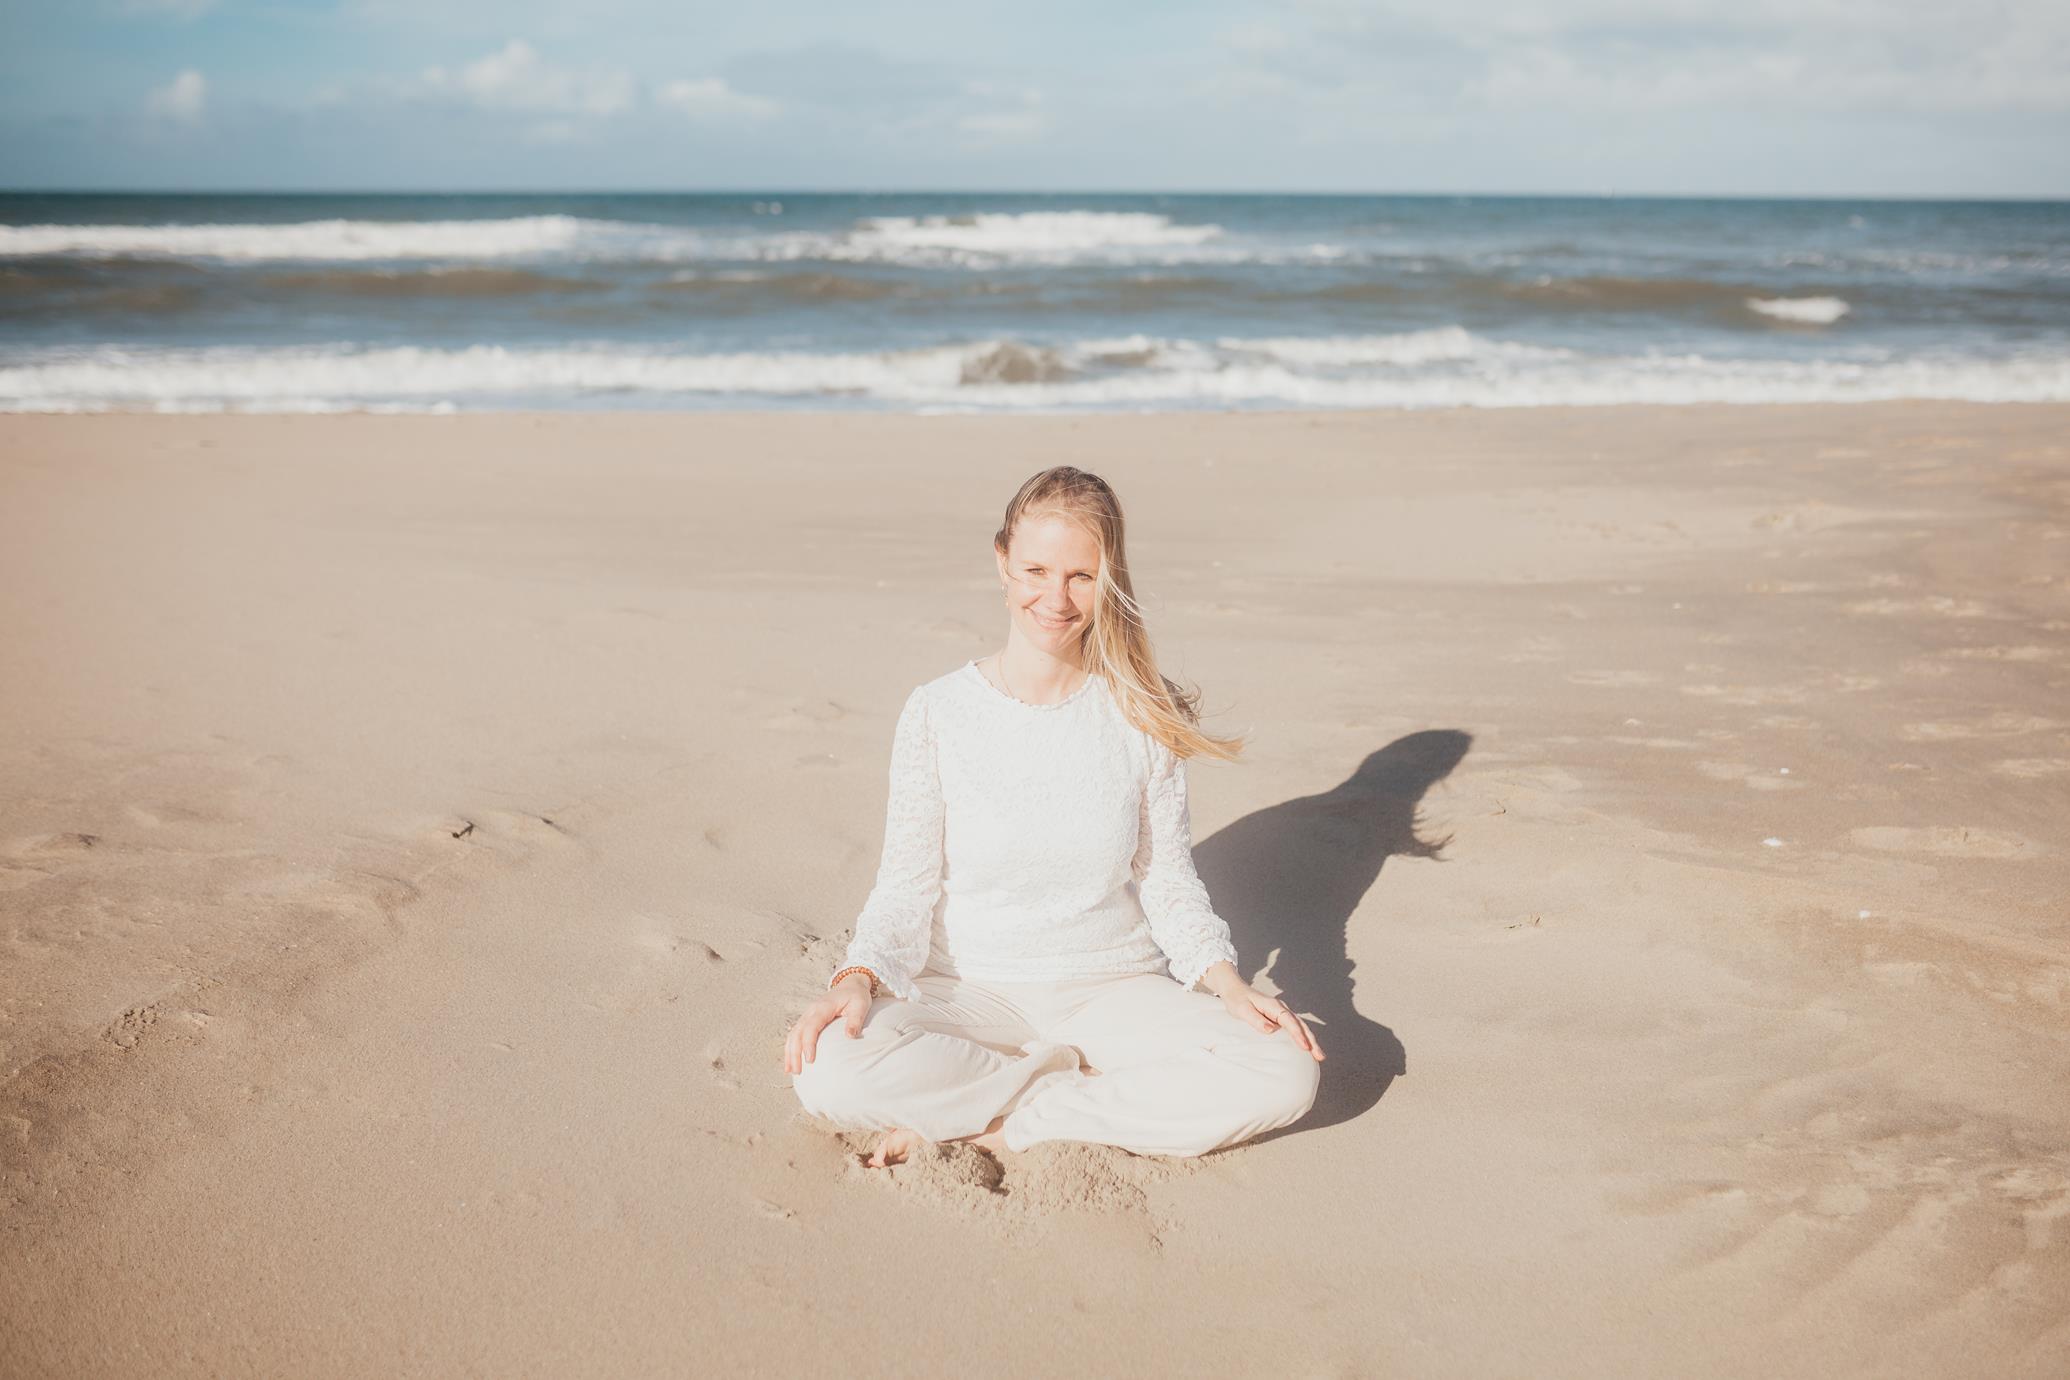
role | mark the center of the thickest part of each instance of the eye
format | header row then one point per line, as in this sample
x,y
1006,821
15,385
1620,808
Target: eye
x,y
1081,575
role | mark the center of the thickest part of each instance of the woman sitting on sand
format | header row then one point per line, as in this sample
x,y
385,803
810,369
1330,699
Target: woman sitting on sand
x,y
1037,886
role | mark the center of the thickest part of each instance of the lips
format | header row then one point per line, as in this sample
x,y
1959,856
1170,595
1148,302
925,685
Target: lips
x,y
1051,623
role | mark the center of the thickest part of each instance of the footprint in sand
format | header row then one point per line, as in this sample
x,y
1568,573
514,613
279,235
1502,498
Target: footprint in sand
x,y
128,1028
55,847
775,1211
1946,842
715,1065
663,940
508,827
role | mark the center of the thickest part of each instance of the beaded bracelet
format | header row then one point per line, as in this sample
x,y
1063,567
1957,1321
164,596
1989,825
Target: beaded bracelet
x,y
854,968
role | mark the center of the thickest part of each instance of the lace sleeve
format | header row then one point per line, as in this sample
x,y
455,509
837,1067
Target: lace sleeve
x,y
897,920
1182,920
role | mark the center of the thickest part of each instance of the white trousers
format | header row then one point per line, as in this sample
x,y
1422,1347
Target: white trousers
x,y
1178,1074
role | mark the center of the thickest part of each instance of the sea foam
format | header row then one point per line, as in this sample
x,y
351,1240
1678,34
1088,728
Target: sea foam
x,y
1412,369
1803,311
1026,238
1033,237
346,241
1034,232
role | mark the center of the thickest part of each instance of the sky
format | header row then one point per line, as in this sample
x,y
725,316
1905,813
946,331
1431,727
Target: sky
x,y
1621,97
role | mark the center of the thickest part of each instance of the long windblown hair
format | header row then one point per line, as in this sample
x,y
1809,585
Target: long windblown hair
x,y
1115,644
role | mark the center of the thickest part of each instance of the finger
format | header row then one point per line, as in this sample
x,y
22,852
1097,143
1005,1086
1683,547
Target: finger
x,y
790,1050
1290,1020
1308,1039
816,1024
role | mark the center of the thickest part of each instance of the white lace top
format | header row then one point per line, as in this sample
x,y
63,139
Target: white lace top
x,y
1033,843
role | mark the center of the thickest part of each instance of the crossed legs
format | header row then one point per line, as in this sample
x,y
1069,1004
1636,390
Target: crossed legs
x,y
1001,1063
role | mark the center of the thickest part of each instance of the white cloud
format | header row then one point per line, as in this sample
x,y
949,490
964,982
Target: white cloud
x,y
182,98
1638,55
515,78
703,97
1851,77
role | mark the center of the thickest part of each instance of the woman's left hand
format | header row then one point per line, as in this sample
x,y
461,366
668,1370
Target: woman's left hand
x,y
1268,1014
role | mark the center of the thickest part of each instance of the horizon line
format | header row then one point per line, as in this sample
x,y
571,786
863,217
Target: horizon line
x,y
777,192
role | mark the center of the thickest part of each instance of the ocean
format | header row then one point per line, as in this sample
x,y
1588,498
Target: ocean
x,y
939,302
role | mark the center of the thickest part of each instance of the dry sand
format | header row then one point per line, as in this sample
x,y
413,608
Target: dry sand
x,y
417,833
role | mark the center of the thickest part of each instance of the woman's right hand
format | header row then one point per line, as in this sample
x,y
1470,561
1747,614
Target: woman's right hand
x,y
848,1000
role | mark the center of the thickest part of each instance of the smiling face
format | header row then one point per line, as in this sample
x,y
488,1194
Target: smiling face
x,y
1049,571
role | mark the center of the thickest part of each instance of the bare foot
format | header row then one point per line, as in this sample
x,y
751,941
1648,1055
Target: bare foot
x,y
896,1145
993,1141
901,1142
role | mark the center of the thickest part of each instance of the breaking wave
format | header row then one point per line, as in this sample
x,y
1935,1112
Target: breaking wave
x,y
1439,368
1032,237
1801,311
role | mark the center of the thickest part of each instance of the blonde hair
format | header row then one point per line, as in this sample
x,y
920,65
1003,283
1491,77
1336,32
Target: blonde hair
x,y
1115,644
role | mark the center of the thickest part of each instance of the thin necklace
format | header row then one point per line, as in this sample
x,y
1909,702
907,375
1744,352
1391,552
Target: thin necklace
x,y
1000,662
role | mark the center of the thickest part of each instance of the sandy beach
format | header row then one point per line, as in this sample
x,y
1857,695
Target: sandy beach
x,y
416,834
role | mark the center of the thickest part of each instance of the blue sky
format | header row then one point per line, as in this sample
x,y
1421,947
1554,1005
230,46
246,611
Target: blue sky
x,y
1756,97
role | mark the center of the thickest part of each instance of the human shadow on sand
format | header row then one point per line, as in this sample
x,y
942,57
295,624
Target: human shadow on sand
x,y
1289,876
